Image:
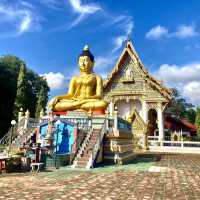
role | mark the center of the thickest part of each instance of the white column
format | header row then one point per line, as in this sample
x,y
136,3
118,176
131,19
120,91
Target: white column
x,y
115,120
144,111
111,108
160,122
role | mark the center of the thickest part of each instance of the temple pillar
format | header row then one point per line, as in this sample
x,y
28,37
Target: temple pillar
x,y
111,108
144,111
160,122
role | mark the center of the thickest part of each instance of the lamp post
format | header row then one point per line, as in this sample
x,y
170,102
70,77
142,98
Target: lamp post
x,y
57,131
13,122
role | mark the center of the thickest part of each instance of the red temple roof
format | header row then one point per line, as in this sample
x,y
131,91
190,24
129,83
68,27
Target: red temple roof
x,y
179,124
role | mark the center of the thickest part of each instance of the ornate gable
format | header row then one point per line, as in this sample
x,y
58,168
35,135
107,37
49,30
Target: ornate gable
x,y
137,122
130,77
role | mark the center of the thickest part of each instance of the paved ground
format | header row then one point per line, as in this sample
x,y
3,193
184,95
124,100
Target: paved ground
x,y
148,177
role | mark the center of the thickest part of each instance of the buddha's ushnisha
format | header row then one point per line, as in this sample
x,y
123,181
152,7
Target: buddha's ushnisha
x,y
85,90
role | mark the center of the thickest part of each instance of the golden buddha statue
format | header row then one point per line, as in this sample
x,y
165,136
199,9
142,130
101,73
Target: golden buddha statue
x,y
85,90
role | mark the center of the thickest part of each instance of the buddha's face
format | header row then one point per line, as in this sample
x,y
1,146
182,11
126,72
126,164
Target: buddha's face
x,y
85,64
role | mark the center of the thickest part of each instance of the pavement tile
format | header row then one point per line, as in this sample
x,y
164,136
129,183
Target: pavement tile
x,y
158,176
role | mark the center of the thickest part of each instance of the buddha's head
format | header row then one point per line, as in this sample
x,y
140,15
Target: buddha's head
x,y
86,60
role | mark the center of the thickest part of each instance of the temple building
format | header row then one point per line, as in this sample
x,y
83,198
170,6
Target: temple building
x,y
136,95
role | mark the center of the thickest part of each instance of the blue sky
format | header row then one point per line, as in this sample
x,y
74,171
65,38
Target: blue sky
x,y
49,35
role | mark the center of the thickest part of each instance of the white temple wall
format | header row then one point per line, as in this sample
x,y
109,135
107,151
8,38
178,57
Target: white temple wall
x,y
136,104
125,108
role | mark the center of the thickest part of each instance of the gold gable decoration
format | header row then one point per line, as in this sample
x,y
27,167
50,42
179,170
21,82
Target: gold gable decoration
x,y
138,125
139,128
129,50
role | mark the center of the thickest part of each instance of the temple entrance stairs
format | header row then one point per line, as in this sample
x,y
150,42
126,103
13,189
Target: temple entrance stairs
x,y
88,152
21,133
23,137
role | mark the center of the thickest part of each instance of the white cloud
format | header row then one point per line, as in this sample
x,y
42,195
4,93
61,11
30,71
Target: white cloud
x,y
192,90
55,80
83,10
118,42
185,31
182,32
26,4
20,17
26,23
53,4
176,74
186,78
157,32
127,25
103,63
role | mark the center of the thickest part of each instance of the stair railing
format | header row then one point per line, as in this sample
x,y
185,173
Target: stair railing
x,y
5,139
81,134
97,146
19,131
82,146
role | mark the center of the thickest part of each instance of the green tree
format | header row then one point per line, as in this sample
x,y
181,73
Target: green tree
x,y
20,87
191,115
179,107
197,121
31,92
9,69
42,96
20,99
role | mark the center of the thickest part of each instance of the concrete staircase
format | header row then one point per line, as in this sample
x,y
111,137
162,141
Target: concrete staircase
x,y
88,152
21,133
83,160
23,137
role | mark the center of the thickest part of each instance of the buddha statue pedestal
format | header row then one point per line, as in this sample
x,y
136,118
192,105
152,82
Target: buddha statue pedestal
x,y
72,113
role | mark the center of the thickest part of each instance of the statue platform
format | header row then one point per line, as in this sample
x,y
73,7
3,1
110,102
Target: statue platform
x,y
106,138
79,112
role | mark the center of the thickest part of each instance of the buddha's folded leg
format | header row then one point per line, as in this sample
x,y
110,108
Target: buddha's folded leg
x,y
93,105
66,105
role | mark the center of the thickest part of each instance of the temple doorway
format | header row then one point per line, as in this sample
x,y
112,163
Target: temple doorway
x,y
152,123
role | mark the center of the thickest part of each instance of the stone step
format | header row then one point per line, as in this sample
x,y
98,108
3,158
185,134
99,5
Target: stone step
x,y
89,148
97,126
81,163
92,142
85,156
87,152
83,159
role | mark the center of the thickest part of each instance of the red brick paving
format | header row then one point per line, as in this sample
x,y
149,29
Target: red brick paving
x,y
178,177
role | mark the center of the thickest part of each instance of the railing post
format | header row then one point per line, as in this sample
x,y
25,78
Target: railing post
x,y
115,120
106,119
182,144
20,115
41,116
27,116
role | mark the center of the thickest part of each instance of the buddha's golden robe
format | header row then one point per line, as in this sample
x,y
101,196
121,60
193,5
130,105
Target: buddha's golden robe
x,y
85,92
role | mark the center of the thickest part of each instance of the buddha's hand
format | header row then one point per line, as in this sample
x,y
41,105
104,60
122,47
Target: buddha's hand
x,y
53,102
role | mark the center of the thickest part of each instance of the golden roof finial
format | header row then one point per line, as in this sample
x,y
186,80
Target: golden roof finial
x,y
86,48
129,37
